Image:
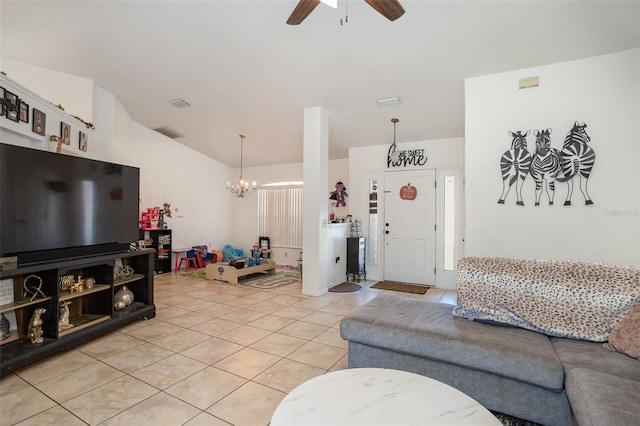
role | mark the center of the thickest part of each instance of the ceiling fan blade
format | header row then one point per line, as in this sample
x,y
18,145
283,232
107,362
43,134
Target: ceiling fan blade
x,y
390,9
302,10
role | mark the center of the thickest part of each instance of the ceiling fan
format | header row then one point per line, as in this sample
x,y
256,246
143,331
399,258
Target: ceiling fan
x,y
390,9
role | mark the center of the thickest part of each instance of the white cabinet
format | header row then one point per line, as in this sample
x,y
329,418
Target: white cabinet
x,y
337,234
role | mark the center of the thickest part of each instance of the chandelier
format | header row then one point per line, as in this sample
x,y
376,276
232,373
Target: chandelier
x,y
241,187
394,154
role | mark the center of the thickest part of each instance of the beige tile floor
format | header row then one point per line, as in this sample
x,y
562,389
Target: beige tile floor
x,y
215,354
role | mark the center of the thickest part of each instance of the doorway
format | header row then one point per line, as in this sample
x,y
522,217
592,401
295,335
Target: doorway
x,y
410,226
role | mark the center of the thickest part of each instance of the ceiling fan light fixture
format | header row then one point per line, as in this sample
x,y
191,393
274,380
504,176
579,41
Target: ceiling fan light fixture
x,y
332,3
390,9
388,101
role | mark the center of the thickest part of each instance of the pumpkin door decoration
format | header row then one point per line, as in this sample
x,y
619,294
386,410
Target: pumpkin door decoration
x,y
408,192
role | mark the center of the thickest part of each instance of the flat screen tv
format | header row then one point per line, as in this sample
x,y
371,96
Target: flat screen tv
x,y
55,206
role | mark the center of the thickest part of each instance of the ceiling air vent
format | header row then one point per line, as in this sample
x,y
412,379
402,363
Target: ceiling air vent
x,y
388,101
180,103
169,132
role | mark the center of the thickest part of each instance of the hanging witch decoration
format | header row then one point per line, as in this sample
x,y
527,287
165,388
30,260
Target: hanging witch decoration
x,y
340,194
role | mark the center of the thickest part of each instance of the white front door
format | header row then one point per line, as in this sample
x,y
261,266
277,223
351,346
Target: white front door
x,y
409,226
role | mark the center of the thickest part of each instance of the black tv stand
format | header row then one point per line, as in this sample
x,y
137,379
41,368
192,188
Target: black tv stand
x,y
91,311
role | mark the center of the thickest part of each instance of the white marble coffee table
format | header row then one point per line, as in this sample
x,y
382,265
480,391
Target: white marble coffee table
x,y
377,396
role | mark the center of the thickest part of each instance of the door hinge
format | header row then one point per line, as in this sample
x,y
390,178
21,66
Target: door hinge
x,y
434,270
435,227
435,183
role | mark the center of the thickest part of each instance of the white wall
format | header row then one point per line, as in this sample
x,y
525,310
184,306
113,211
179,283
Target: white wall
x,y
169,172
602,92
446,156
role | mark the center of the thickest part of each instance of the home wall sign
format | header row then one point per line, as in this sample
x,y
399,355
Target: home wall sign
x,y
408,192
407,157
547,165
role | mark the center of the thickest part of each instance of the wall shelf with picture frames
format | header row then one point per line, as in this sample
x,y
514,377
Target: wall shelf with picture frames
x,y
25,114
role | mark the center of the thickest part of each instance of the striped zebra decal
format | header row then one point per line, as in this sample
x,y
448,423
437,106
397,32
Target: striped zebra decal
x,y
577,160
514,165
545,165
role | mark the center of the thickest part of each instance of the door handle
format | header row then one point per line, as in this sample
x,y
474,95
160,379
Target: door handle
x,y
386,232
386,224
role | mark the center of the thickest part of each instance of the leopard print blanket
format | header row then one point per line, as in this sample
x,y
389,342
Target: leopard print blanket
x,y
558,298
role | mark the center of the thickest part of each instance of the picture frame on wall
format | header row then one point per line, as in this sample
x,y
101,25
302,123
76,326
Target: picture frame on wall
x,y
65,133
3,109
24,111
11,101
82,141
39,122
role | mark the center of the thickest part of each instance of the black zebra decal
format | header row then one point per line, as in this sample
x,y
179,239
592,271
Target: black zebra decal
x,y
577,160
545,165
514,165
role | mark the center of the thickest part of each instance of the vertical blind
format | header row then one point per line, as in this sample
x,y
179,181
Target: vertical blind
x,y
280,216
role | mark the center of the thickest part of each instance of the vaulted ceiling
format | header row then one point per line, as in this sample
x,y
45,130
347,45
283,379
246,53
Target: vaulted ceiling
x,y
244,70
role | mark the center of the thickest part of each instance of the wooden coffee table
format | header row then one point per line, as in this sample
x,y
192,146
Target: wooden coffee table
x,y
377,396
228,273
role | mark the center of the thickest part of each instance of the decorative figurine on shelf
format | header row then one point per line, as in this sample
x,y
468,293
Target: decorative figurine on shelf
x,y
166,211
340,195
79,286
32,290
66,281
4,327
123,298
35,326
63,322
89,282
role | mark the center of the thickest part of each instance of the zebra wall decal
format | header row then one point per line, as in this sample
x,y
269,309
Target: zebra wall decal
x,y
545,165
577,160
514,165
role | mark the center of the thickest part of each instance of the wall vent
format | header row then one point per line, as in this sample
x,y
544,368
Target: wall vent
x,y
169,132
529,82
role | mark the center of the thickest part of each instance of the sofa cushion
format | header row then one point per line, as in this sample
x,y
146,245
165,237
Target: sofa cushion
x,y
603,399
593,356
430,330
625,336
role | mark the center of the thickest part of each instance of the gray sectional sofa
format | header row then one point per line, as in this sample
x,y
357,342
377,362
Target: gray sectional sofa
x,y
547,380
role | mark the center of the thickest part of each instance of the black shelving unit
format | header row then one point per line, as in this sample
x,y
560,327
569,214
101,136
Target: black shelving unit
x,y
355,258
161,243
91,310
265,247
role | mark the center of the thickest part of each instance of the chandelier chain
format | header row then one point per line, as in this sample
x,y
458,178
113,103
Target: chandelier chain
x,y
242,187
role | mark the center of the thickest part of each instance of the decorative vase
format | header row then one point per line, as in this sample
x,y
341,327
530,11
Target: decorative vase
x,y
4,327
123,298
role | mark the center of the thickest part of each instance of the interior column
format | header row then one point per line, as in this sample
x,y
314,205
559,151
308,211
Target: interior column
x,y
315,209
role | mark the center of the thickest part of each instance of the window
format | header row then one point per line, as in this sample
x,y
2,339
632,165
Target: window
x,y
372,244
449,222
280,215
